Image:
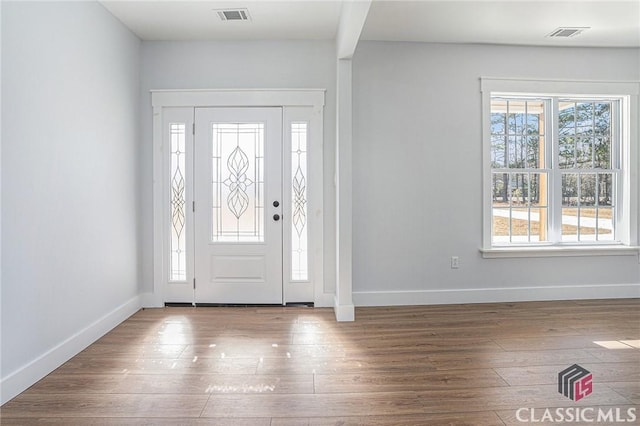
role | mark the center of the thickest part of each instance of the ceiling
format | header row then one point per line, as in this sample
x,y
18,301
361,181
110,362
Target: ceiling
x,y
197,20
519,22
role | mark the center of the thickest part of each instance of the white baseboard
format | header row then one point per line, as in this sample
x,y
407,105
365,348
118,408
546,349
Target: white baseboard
x,y
21,379
488,295
344,312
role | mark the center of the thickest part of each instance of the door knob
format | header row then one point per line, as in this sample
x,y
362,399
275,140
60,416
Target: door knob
x,y
276,217
276,204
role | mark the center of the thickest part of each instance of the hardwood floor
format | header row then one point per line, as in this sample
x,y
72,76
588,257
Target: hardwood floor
x,y
426,365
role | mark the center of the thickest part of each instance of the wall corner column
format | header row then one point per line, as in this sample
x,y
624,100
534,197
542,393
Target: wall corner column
x,y
352,19
343,302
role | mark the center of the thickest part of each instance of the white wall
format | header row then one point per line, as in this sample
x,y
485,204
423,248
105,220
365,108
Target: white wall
x,y
76,204
417,140
249,64
70,114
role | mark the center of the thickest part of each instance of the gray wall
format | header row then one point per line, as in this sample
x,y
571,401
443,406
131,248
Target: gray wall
x,y
417,140
70,114
250,64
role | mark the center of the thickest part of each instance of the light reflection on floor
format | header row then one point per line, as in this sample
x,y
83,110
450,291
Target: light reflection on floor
x,y
618,344
233,342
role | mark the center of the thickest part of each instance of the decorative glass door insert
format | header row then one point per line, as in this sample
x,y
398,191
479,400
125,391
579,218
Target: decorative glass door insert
x,y
237,165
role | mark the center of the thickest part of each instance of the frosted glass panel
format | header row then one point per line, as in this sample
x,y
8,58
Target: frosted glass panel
x,y
177,261
237,182
299,245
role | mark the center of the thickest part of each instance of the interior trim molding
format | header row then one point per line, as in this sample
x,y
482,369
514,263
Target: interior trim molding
x,y
489,295
324,300
305,105
24,377
344,313
560,251
238,97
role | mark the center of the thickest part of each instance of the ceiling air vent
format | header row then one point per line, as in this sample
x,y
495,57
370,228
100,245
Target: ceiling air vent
x,y
233,14
566,32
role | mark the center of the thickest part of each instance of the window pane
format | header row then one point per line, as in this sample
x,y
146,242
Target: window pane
x,y
602,152
534,151
590,122
516,118
299,244
583,153
237,182
570,224
498,151
605,189
519,213
538,224
517,133
605,224
602,111
501,209
518,189
500,183
535,111
177,257
498,116
570,201
500,225
587,189
519,225
588,222
516,152
584,118
566,118
538,184
606,210
567,145
587,213
569,189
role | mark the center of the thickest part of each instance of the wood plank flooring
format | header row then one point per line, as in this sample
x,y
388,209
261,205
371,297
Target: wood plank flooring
x,y
424,365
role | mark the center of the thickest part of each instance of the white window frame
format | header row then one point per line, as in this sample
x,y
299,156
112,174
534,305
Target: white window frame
x,y
627,223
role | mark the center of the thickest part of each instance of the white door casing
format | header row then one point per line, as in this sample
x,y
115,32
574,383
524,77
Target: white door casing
x,y
301,109
238,205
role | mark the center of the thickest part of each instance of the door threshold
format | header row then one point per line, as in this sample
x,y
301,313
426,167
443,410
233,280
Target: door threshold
x,y
239,305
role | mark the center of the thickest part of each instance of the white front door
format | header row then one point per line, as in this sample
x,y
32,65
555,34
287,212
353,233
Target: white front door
x,y
238,205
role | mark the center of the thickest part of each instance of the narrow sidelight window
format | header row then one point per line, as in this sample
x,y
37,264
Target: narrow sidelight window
x,y
299,244
177,261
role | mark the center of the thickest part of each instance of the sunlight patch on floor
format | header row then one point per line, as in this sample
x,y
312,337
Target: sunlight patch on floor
x,y
618,344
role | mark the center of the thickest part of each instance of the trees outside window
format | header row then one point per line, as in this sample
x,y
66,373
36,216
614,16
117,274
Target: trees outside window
x,y
555,169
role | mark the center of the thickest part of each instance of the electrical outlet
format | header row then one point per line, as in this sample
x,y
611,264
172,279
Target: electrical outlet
x,y
455,262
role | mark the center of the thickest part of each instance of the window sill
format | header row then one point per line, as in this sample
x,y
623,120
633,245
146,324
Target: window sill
x,y
559,251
